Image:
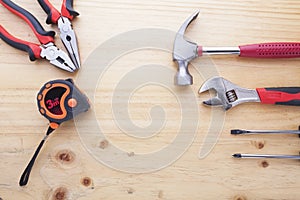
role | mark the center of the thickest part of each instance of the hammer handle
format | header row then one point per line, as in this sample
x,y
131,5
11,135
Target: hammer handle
x,y
271,50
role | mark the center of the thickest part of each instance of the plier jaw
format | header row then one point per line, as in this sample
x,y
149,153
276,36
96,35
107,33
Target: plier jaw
x,y
57,57
46,49
63,21
69,40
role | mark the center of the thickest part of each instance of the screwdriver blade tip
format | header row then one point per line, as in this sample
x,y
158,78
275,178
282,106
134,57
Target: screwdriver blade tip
x,y
237,155
237,132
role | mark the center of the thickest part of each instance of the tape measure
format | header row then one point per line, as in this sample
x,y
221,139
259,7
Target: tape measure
x,y
61,100
58,101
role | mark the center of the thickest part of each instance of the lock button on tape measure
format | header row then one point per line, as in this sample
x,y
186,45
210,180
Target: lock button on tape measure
x,y
58,101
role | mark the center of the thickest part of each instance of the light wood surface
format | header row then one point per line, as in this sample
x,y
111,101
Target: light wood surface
x,y
217,176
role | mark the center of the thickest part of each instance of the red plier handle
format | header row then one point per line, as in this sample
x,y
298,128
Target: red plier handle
x,y
53,14
43,36
32,49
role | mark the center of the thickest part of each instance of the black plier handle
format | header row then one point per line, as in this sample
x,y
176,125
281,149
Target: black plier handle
x,y
46,50
43,36
53,14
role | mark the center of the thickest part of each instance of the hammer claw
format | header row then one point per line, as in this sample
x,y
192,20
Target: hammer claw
x,y
188,22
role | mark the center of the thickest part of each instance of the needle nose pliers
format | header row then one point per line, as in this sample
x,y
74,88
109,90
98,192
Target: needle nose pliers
x,y
63,21
46,50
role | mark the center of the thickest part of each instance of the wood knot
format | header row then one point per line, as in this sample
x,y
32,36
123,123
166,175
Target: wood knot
x,y
264,164
86,181
238,197
160,194
130,191
60,194
131,154
103,144
65,156
259,144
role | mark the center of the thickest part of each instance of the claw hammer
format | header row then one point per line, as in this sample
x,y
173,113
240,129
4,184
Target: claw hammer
x,y
185,51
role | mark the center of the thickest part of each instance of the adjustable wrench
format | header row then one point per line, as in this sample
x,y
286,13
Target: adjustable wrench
x,y
229,95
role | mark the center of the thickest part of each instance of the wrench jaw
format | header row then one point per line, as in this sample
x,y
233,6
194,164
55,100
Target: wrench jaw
x,y
216,84
228,95
219,101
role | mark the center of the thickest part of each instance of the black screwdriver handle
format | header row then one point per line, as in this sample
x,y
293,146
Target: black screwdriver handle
x,y
43,36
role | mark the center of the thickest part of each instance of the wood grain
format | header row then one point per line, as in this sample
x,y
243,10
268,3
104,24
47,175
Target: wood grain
x,y
66,170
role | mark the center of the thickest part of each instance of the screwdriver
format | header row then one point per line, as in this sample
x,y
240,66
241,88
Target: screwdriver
x,y
238,155
249,132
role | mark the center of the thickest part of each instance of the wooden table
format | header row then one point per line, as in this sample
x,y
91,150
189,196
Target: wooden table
x,y
66,170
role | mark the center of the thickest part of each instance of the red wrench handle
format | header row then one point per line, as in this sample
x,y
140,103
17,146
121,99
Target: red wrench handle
x,y
271,50
289,96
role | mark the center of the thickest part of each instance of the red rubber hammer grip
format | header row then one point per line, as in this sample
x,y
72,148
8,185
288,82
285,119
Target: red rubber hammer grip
x,y
289,96
271,50
43,36
33,50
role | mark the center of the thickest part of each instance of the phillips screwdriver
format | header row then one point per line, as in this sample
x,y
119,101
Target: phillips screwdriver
x,y
249,132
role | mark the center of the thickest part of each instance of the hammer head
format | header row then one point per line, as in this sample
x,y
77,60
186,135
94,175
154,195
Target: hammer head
x,y
184,51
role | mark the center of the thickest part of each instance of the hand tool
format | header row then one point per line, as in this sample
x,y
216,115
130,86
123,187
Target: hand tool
x,y
46,50
229,95
250,132
58,101
238,155
186,51
63,21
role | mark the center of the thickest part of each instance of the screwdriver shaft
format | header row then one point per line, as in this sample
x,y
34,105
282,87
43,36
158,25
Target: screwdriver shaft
x,y
238,155
248,132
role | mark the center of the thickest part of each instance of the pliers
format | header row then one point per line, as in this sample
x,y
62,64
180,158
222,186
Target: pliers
x,y
63,21
46,50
